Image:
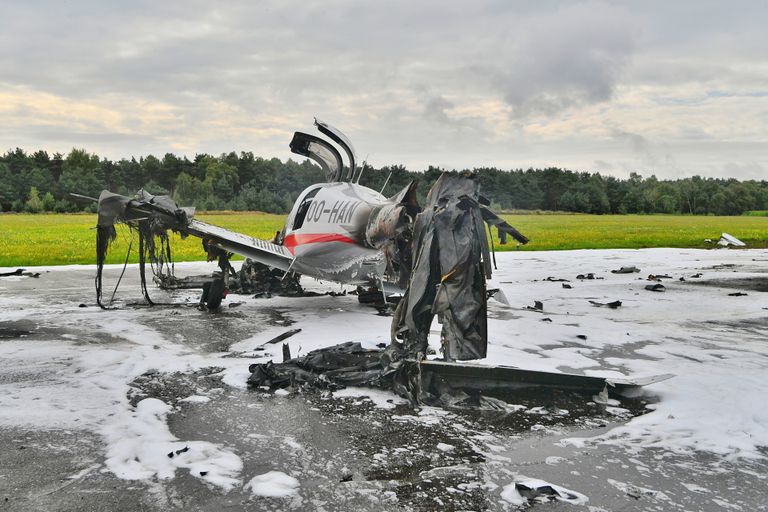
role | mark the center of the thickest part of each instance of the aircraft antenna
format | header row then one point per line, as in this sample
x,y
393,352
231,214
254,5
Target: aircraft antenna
x,y
362,168
385,183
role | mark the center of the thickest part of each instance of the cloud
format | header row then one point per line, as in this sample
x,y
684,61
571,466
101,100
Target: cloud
x,y
573,56
434,109
458,84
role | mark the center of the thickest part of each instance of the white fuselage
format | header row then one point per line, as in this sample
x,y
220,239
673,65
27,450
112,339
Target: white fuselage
x,y
325,233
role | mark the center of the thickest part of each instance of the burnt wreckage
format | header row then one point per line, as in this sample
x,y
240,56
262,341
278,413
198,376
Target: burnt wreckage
x,y
438,257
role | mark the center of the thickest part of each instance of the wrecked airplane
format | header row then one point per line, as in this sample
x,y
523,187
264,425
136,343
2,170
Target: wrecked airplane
x,y
344,232
437,257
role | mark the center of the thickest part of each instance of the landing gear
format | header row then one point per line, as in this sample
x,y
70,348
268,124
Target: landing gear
x,y
370,296
214,291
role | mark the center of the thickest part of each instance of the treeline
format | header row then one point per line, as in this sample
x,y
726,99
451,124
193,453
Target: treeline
x,y
41,182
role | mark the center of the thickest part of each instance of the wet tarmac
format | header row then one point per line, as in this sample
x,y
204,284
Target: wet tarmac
x,y
349,453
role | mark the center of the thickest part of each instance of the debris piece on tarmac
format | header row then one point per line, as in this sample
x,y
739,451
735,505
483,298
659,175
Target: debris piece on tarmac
x,y
526,490
537,306
737,294
588,276
726,240
286,352
655,287
20,272
430,382
613,305
567,286
259,279
658,277
281,337
626,270
499,295
556,280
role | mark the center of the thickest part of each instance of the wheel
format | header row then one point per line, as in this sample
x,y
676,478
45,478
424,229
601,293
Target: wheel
x,y
216,294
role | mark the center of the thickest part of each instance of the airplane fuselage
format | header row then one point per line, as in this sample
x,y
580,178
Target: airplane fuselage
x,y
326,234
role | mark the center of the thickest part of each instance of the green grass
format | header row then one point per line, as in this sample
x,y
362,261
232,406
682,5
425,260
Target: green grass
x,y
634,231
58,239
66,239
757,213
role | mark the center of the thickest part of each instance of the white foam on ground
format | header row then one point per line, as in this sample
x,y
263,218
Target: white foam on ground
x,y
691,331
380,398
697,333
65,385
140,447
274,484
196,399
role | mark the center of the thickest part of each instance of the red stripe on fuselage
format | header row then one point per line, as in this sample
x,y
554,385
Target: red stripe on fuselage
x,y
292,240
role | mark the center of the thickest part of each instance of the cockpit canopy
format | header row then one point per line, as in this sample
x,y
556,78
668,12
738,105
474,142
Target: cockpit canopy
x,y
325,154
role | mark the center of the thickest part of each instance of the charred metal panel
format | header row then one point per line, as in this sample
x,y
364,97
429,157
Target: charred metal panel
x,y
448,279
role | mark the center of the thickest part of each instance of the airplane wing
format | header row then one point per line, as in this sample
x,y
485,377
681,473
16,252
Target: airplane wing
x,y
162,213
274,255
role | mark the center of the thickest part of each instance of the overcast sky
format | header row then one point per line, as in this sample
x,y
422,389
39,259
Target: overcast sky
x,y
671,88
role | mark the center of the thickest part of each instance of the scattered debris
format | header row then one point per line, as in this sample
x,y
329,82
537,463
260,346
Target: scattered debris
x,y
556,280
257,278
567,286
588,276
537,306
626,270
613,305
658,277
329,368
499,295
582,336
655,287
726,240
20,272
286,352
546,319
737,294
696,276
526,490
430,382
281,337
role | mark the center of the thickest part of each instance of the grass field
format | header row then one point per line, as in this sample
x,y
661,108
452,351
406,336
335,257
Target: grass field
x,y
58,239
